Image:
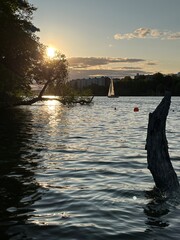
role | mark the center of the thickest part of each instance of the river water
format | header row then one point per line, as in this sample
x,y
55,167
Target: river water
x,y
80,173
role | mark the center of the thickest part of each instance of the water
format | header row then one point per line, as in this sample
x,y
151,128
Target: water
x,y
80,173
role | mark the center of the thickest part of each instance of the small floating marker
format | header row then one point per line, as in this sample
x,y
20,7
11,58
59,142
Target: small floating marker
x,y
136,109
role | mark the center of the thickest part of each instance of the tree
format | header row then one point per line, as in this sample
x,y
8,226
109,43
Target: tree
x,y
23,58
53,73
20,49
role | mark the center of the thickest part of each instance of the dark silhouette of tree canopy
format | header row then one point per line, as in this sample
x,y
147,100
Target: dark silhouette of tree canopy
x,y
20,48
51,74
22,56
140,85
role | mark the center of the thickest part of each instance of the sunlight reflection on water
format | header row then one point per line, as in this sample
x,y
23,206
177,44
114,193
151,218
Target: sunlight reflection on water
x,y
81,172
54,110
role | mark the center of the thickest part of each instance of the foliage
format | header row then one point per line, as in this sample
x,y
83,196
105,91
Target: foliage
x,y
52,72
23,58
19,47
71,95
149,85
141,85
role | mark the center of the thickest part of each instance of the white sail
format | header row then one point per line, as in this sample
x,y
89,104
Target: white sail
x,y
111,89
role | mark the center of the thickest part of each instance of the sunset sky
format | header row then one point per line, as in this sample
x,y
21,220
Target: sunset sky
x,y
112,37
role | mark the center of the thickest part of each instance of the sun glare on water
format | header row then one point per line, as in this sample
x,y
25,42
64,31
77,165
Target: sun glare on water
x,y
51,52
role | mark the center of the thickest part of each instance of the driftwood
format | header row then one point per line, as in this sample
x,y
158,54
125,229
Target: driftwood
x,y
158,158
85,101
81,100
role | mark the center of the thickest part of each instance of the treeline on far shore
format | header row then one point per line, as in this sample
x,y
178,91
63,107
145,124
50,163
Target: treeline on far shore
x,y
141,85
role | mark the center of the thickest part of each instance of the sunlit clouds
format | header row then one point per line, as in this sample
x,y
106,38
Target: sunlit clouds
x,y
85,67
86,62
143,33
115,37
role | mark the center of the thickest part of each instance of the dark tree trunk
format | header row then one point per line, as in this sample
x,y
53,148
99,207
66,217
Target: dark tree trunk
x,y
158,159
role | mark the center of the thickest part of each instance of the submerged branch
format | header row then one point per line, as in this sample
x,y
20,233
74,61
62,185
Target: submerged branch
x,y
62,100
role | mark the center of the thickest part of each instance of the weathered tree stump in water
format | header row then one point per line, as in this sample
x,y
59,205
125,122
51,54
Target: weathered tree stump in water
x,y
158,158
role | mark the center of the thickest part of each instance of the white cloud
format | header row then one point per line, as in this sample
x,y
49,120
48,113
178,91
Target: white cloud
x,y
142,33
174,36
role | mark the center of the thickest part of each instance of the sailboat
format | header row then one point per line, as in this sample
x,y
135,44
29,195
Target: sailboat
x,y
111,93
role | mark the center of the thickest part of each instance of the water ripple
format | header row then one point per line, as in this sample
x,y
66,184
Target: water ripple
x,y
81,172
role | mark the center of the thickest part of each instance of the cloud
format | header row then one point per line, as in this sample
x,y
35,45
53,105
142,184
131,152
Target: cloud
x,y
75,74
131,68
89,62
143,33
174,36
151,63
87,67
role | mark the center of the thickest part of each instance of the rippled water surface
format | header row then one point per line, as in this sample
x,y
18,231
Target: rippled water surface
x,y
80,172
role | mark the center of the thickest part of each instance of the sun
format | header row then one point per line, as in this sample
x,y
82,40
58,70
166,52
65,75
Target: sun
x,y
51,52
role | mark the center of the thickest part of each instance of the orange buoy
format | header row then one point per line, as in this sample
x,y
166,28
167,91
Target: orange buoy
x,y
136,109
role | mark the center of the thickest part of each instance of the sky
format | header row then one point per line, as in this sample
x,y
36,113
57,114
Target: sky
x,y
114,38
